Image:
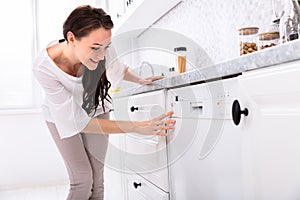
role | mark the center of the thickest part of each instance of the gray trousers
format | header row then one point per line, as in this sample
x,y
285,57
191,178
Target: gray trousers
x,y
84,156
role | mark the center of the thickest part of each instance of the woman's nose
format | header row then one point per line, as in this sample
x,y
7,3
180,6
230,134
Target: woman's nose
x,y
101,55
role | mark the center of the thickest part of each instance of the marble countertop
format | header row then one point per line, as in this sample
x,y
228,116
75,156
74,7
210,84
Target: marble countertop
x,y
265,58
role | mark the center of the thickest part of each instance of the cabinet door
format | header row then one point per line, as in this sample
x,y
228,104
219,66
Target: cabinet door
x,y
141,189
140,15
144,154
116,9
270,132
114,172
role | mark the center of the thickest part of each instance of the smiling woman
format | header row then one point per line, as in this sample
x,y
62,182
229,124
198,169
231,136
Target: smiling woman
x,y
76,73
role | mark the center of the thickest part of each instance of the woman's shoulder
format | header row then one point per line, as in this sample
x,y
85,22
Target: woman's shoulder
x,y
42,60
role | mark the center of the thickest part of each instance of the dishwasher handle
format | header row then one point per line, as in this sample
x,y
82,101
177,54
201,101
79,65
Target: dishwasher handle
x,y
237,112
196,105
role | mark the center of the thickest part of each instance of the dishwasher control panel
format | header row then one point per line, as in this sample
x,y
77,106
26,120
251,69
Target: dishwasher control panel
x,y
206,100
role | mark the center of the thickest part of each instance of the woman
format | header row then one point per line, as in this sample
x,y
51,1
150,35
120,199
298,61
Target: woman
x,y
75,77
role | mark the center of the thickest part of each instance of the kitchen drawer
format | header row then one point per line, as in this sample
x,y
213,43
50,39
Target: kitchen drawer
x,y
139,107
141,189
145,154
149,159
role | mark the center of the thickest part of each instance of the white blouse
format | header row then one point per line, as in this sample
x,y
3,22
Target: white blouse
x,y
63,93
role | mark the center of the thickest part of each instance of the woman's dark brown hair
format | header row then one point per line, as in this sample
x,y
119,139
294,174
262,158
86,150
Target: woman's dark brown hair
x,y
81,22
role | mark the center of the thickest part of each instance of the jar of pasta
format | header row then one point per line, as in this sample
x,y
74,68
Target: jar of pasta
x,y
248,40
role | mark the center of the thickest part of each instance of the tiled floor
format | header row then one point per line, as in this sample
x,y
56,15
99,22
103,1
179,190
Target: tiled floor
x,y
38,193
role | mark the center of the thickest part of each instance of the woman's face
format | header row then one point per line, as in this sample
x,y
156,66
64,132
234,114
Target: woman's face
x,y
92,48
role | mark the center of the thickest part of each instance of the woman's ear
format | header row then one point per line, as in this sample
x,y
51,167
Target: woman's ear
x,y
71,37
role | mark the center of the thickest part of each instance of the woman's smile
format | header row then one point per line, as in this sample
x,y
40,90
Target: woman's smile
x,y
94,61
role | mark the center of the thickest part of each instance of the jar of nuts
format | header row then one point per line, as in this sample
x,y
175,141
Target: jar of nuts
x,y
268,39
248,39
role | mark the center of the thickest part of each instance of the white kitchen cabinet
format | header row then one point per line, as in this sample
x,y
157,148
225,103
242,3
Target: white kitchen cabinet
x,y
270,132
116,9
144,155
234,138
138,15
114,172
141,189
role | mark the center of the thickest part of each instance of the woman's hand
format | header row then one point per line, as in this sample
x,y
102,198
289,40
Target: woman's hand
x,y
149,80
133,77
157,125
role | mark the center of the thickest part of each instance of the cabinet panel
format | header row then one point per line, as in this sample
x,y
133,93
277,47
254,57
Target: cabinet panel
x,y
114,171
141,14
204,149
270,135
116,9
144,154
141,189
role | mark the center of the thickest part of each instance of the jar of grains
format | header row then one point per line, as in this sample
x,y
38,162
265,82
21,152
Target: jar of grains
x,y
248,40
268,39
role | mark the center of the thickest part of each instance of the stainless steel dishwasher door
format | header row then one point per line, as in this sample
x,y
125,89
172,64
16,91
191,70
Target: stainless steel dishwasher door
x,y
204,150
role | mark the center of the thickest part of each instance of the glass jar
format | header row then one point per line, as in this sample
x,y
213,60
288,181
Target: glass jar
x,y
180,59
248,40
268,39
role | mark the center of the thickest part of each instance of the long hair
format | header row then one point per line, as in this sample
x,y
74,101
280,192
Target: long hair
x,y
81,22
92,94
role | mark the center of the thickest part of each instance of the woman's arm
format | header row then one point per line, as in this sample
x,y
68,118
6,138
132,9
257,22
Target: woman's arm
x,y
156,126
129,75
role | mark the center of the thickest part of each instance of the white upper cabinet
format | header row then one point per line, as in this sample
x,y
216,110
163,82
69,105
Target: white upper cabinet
x,y
116,9
133,17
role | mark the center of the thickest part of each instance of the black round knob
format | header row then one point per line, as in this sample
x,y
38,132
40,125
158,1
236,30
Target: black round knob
x,y
132,108
237,112
136,185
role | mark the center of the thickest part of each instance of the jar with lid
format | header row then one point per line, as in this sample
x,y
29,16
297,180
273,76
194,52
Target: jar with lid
x,y
248,40
180,59
268,39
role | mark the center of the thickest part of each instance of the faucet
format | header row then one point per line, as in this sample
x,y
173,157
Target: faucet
x,y
145,63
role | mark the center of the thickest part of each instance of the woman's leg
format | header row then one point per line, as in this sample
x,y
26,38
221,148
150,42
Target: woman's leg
x,y
98,180
96,147
77,164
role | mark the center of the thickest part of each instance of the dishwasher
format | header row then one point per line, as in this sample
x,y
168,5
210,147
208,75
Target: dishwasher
x,y
204,149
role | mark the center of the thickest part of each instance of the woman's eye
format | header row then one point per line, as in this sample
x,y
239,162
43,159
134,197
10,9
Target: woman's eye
x,y
95,48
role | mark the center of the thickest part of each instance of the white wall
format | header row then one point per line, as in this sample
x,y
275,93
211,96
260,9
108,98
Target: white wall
x,y
213,25
28,154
